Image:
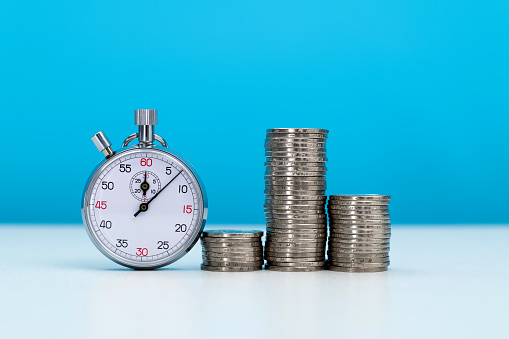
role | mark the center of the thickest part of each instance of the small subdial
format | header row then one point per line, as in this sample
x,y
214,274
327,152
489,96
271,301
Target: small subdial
x,y
144,185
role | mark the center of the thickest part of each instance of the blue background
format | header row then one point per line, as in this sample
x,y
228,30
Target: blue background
x,y
414,93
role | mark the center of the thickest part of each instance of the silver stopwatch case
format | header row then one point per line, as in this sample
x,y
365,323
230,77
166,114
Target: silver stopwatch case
x,y
155,208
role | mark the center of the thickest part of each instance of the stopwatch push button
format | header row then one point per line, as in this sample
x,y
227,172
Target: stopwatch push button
x,y
103,144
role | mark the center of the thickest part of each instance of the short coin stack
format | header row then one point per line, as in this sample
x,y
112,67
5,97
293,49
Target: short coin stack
x,y
232,251
360,231
295,199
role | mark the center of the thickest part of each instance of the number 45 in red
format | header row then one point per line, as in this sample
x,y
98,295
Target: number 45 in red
x,y
188,209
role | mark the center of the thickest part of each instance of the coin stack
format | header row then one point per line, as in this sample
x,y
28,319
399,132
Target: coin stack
x,y
232,251
360,232
295,199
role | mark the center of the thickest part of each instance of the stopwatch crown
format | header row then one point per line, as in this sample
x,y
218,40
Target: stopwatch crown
x,y
145,117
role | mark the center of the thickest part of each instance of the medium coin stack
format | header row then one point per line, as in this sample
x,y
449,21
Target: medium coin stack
x,y
232,251
360,232
295,199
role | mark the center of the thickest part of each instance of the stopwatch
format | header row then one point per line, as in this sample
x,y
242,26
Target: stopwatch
x,y
143,206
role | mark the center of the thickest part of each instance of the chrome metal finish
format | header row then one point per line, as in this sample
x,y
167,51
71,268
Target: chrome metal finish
x,y
133,136
146,119
103,144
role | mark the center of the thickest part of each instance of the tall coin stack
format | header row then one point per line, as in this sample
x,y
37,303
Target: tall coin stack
x,y
360,232
295,199
232,251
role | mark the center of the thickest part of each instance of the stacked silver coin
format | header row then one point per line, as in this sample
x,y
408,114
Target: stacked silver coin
x,y
360,232
295,199
232,251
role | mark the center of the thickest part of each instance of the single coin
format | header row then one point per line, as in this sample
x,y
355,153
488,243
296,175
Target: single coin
x,y
343,231
294,245
273,230
318,226
360,197
293,254
307,135
226,258
359,255
245,245
300,216
230,269
300,264
208,240
275,145
357,270
294,269
273,259
297,130
292,251
285,139
233,249
335,228
366,222
340,213
283,213
297,158
232,255
295,199
342,261
358,203
294,208
360,265
232,263
333,246
356,250
361,217
233,234
297,235
333,207
293,192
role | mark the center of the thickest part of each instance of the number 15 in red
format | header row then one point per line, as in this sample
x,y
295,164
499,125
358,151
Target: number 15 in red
x,y
188,209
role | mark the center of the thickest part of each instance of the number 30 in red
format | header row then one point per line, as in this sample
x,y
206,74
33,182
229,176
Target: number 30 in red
x,y
141,252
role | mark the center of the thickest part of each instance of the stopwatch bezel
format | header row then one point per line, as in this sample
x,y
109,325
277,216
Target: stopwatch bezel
x,y
193,239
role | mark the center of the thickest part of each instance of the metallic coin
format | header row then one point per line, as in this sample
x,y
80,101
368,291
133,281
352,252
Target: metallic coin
x,y
340,261
297,235
230,269
366,222
293,251
232,234
297,130
342,232
373,208
251,250
286,139
271,238
274,259
294,245
209,240
307,135
301,216
294,269
295,199
300,264
298,158
232,263
357,203
357,270
290,173
294,255
243,259
334,246
294,208
361,265
297,230
318,226
359,255
232,245
361,217
356,250
293,192
277,145
240,255
357,213
295,181
276,213
360,197
335,228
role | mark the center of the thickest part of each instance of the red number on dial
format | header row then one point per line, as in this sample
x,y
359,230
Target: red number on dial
x,y
146,162
188,209
141,252
101,205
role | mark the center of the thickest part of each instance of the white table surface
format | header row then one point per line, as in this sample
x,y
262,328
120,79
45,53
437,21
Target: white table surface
x,y
443,282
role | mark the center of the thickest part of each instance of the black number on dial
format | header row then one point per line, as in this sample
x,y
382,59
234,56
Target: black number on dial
x,y
168,170
125,168
182,188
122,243
105,224
180,228
163,245
107,185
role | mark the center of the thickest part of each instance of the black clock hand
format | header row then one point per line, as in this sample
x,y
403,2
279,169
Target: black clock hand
x,y
144,185
144,206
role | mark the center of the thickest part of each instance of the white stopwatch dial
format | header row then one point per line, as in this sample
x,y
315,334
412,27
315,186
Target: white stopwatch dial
x,y
144,207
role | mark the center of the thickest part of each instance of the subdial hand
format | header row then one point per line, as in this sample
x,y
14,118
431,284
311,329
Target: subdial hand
x,y
144,206
144,185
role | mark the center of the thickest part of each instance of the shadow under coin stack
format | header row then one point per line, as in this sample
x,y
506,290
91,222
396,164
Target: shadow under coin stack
x,y
360,232
232,251
295,199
